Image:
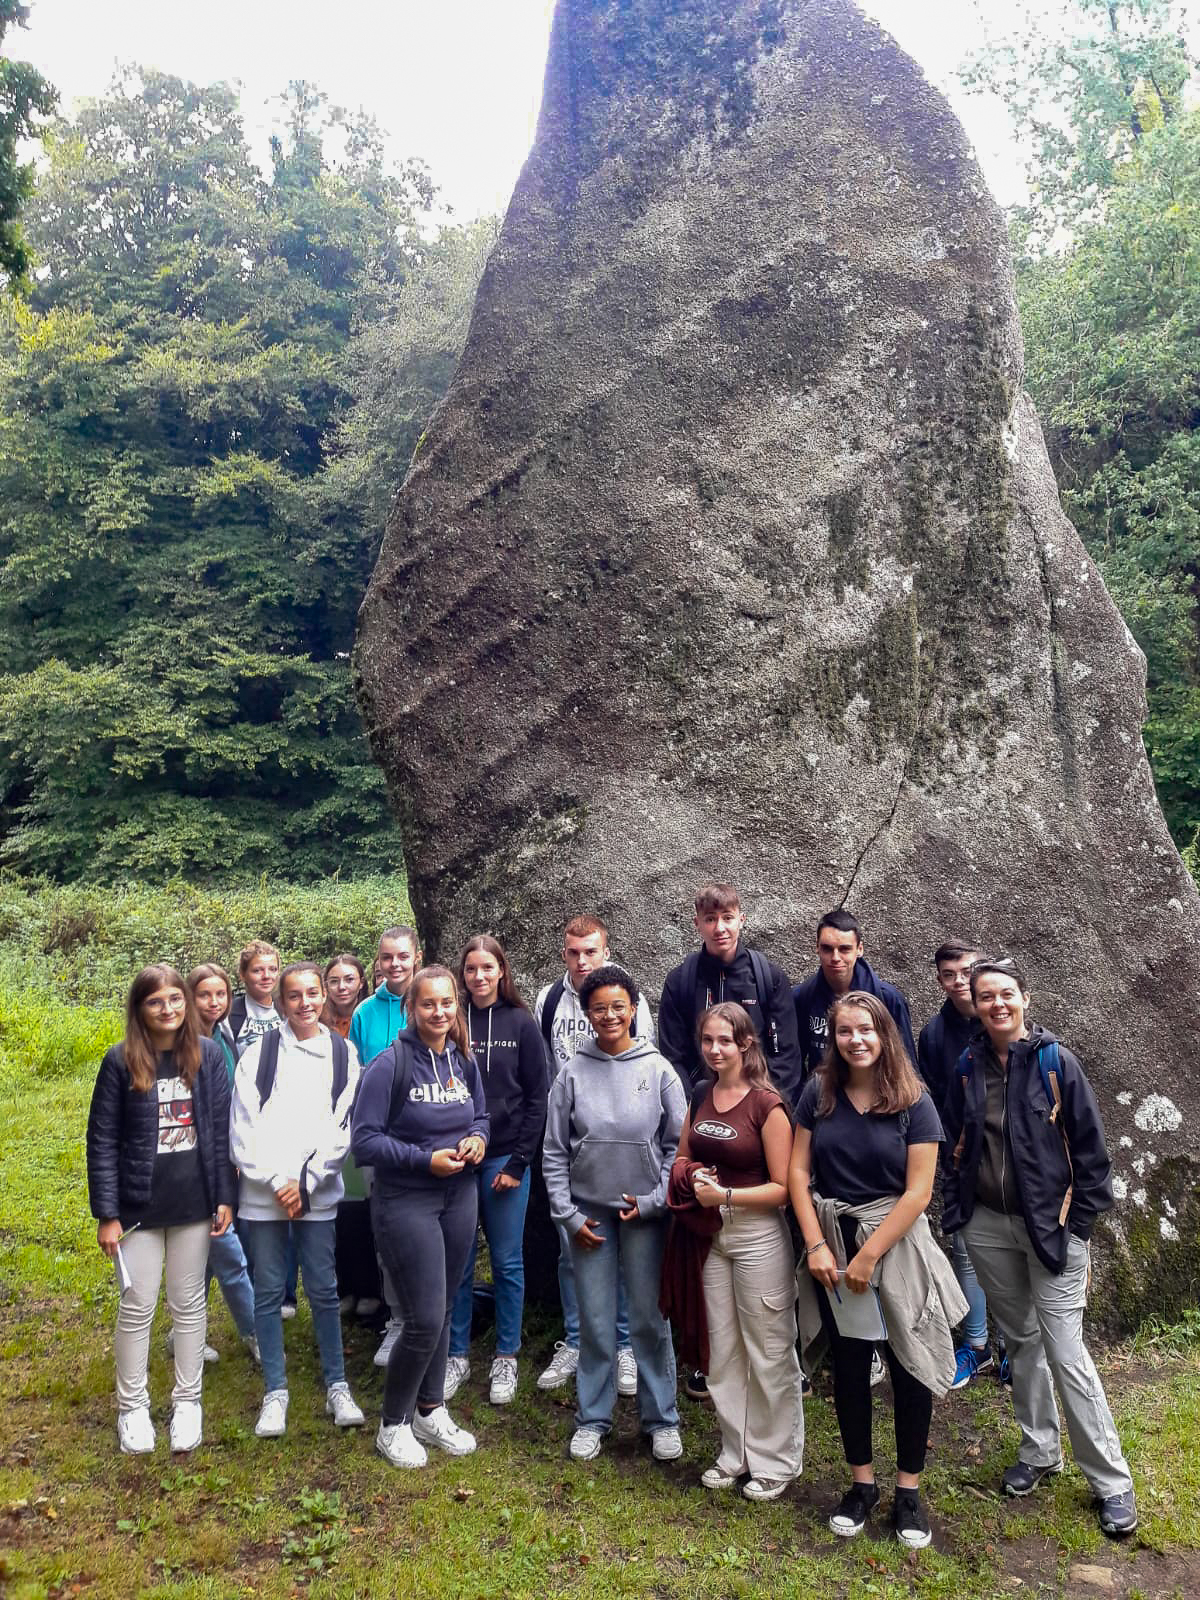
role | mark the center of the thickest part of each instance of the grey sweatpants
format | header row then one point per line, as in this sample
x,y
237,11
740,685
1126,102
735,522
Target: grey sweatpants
x,y
185,1251
1040,1314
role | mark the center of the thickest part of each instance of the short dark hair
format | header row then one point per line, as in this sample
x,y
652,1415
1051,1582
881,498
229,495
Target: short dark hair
x,y
841,920
955,950
609,976
1002,964
717,897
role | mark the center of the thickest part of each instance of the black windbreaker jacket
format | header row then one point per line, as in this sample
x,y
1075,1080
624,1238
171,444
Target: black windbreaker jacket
x,y
1034,1144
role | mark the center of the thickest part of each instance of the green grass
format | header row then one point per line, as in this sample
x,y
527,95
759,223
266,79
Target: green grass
x,y
321,1514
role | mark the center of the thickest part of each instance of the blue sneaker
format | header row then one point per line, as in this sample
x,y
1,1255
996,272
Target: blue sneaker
x,y
967,1361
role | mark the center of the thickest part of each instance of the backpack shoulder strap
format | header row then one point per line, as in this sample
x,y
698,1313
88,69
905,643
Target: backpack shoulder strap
x,y
1049,1062
268,1063
341,1065
550,1010
237,1015
765,988
690,984
964,1066
402,1069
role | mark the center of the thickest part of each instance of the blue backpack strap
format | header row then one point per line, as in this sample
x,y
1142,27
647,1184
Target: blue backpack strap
x,y
1050,1066
268,1063
341,1066
550,1010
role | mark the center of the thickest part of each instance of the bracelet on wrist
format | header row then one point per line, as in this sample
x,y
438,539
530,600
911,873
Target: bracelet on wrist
x,y
729,1199
811,1249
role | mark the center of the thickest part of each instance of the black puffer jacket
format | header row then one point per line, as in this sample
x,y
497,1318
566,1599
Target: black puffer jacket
x,y
122,1135
1034,1144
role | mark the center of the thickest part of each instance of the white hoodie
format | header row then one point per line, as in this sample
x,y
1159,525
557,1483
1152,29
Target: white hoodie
x,y
297,1135
571,1026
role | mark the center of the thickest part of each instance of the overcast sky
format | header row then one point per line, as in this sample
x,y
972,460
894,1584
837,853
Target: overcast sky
x,y
457,82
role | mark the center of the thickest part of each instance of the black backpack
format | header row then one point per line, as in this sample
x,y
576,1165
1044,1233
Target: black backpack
x,y
268,1065
762,987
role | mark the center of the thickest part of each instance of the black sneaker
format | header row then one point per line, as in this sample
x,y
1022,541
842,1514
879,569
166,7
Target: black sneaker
x,y
1118,1514
909,1520
696,1385
805,1384
1003,1366
856,1505
1022,1479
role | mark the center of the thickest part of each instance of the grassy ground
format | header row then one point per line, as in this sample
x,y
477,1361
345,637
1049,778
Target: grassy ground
x,y
321,1514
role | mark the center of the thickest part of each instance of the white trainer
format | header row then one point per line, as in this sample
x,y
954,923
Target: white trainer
x,y
186,1425
390,1334
717,1478
585,1444
458,1370
399,1445
562,1367
503,1379
878,1370
339,1403
438,1429
272,1419
626,1372
666,1444
135,1432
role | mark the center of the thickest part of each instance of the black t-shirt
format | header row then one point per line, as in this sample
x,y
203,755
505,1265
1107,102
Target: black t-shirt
x,y
857,1156
177,1192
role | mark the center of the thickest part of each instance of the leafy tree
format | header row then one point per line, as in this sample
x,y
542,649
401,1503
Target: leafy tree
x,y
24,97
177,595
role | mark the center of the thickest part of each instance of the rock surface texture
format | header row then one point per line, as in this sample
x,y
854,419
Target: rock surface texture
x,y
734,552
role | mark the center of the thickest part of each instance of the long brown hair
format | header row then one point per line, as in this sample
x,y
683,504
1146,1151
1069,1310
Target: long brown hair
x,y
896,1084
754,1063
458,1028
328,1015
199,975
141,1058
507,990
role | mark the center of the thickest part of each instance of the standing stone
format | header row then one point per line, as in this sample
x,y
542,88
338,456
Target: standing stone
x,y
734,551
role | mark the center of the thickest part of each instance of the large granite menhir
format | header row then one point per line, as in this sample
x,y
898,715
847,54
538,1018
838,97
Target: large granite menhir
x,y
734,552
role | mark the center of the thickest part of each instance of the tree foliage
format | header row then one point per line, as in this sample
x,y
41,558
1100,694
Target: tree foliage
x,y
180,567
1108,278
25,96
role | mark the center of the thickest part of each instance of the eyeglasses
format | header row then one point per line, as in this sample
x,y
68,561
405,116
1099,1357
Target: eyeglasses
x,y
176,1004
621,1009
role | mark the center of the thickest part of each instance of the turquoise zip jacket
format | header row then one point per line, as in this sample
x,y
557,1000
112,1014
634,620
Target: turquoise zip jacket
x,y
378,1020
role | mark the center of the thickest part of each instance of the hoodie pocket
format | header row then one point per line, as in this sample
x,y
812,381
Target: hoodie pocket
x,y
605,1169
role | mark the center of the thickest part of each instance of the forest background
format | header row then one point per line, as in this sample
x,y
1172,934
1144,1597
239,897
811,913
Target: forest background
x,y
212,378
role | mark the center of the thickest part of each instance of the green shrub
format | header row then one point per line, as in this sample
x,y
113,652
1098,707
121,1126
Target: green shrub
x,y
44,1037
84,944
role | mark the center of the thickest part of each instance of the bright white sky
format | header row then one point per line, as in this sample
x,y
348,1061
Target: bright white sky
x,y
457,82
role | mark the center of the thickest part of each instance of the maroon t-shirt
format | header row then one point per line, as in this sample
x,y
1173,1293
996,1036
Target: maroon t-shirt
x,y
731,1141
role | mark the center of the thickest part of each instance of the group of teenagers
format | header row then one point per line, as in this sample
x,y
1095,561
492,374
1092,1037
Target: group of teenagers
x,y
750,1184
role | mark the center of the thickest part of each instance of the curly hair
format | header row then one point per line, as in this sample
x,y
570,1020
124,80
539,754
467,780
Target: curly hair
x,y
896,1083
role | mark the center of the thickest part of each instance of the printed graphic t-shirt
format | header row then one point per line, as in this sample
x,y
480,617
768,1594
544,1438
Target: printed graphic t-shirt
x,y
731,1141
177,1193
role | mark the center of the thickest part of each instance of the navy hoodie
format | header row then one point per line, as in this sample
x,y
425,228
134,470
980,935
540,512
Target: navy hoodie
x,y
507,1044
943,1039
445,1102
813,998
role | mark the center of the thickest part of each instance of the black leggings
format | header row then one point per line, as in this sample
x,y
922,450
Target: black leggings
x,y
424,1236
912,1402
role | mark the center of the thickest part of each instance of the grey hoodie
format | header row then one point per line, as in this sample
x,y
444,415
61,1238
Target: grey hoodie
x,y
612,1128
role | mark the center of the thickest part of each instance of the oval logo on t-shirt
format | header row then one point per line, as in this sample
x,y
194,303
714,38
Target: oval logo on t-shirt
x,y
716,1130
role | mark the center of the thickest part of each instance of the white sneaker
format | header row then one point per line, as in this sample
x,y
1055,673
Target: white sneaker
x,y
437,1428
210,1355
251,1343
666,1444
764,1488
339,1403
878,1371
563,1365
135,1432
272,1419
398,1445
287,1310
458,1370
186,1425
390,1334
626,1372
503,1378
585,1444
717,1478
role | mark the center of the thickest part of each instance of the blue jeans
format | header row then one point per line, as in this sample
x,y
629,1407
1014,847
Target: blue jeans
x,y
502,1214
975,1321
227,1263
267,1244
635,1249
570,1305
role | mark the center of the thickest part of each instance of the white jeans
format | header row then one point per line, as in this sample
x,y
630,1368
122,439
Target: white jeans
x,y
185,1251
1040,1314
753,1370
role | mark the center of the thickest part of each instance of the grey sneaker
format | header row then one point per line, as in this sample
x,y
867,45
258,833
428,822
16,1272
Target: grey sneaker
x,y
585,1444
1118,1514
561,1368
1022,1479
666,1444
